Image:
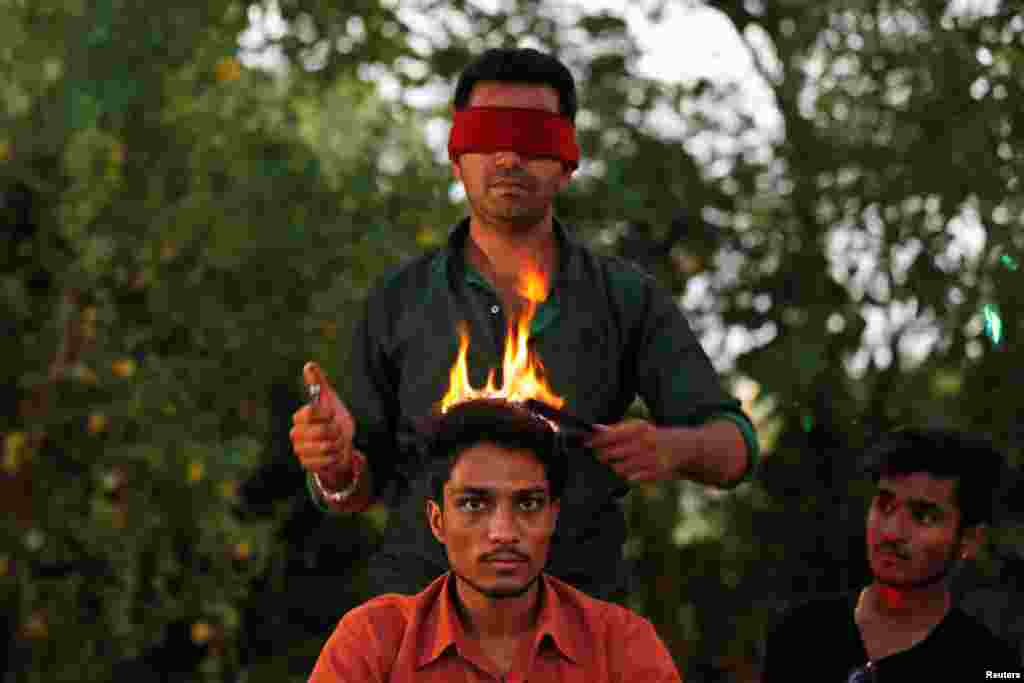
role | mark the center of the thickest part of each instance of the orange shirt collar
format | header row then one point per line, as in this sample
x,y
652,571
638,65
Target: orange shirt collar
x,y
442,627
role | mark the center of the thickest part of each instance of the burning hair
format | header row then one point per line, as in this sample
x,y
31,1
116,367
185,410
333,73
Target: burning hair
x,y
972,461
488,420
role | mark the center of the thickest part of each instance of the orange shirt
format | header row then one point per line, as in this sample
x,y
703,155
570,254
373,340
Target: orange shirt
x,y
420,638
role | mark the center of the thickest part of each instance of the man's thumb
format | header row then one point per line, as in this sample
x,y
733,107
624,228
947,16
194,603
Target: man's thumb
x,y
313,375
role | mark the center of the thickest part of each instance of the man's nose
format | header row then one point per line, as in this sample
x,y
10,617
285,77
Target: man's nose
x,y
507,158
504,526
893,526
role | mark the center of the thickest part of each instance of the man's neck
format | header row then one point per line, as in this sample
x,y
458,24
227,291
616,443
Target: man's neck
x,y
498,619
502,254
925,605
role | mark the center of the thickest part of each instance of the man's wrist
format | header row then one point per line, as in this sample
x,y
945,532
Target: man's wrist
x,y
334,487
334,478
706,453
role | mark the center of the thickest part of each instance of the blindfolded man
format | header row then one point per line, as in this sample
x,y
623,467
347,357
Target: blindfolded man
x,y
606,333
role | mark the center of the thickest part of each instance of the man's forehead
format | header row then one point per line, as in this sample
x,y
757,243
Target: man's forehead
x,y
920,486
497,469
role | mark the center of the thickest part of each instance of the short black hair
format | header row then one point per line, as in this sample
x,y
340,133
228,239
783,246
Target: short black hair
x,y
971,460
496,421
519,65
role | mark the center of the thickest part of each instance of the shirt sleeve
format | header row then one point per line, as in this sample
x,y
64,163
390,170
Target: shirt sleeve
x,y
372,392
675,377
636,653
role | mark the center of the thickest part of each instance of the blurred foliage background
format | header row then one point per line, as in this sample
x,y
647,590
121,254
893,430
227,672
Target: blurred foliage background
x,y
190,212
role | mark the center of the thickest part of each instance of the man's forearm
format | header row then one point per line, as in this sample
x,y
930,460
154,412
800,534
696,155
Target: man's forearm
x,y
721,458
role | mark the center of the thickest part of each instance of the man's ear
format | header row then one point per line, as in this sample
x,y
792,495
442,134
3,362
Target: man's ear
x,y
972,540
435,518
567,171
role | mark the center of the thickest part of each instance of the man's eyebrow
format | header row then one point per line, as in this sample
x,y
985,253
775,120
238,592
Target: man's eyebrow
x,y
484,491
922,503
536,490
925,504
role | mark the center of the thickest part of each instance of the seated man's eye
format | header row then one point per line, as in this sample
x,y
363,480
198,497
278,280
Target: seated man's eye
x,y
532,504
471,504
927,516
884,503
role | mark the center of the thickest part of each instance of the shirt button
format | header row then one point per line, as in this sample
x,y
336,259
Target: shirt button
x,y
495,309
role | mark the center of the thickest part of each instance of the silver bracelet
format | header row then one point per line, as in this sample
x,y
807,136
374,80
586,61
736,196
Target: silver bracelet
x,y
335,496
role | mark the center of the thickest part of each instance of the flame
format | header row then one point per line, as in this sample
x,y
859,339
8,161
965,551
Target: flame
x,y
522,372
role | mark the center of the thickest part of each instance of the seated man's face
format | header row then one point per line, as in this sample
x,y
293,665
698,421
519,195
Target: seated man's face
x,y
497,520
914,531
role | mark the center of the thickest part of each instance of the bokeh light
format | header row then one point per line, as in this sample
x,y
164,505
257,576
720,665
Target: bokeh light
x,y
993,323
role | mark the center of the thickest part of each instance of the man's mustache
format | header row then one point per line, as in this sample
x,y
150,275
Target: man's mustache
x,y
898,550
513,176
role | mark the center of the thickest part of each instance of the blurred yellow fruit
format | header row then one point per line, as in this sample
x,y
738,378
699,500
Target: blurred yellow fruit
x,y
242,551
5,150
196,471
229,489
83,373
427,237
14,446
688,263
228,69
36,627
98,423
5,565
124,367
12,462
117,153
168,250
201,633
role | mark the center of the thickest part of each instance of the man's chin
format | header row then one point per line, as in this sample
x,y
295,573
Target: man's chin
x,y
503,591
507,593
500,591
519,215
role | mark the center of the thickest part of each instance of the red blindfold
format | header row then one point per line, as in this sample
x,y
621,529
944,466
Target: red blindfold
x,y
528,132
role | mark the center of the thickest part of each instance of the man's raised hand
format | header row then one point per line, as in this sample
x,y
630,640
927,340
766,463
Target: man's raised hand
x,y
322,432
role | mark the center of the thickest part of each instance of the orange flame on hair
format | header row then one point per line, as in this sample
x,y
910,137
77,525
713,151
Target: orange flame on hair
x,y
522,371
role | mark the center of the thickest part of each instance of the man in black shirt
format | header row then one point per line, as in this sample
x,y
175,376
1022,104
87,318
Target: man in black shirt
x,y
930,511
604,330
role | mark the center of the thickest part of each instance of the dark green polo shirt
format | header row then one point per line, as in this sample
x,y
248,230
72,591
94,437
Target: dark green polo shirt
x,y
606,334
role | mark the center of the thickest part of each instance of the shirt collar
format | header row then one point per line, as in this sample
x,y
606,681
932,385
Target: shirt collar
x,y
443,627
449,260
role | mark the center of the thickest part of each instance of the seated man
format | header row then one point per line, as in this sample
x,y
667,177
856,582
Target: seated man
x,y
929,513
496,477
